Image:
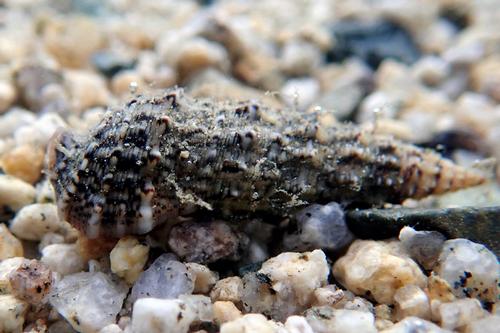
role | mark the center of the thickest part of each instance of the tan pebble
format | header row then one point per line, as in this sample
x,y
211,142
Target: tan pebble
x,y
328,295
12,314
225,311
31,282
378,269
86,89
128,258
10,246
7,95
409,301
197,54
127,82
439,289
228,289
24,162
204,278
485,77
73,40
15,193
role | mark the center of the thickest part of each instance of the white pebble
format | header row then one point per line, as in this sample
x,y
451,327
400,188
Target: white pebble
x,y
154,315
297,324
414,324
326,320
63,258
300,93
489,324
34,221
250,323
13,119
455,315
410,301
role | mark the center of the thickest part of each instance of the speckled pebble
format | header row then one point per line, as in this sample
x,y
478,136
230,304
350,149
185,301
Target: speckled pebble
x,y
325,320
470,269
31,282
207,242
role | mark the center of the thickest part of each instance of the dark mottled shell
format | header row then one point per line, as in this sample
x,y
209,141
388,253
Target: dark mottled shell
x,y
160,158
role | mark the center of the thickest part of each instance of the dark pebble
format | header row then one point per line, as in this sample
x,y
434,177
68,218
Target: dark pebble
x,y
447,142
372,42
110,64
477,224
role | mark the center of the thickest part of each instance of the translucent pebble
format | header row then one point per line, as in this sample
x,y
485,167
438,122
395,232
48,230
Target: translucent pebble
x,y
88,301
422,246
319,226
166,278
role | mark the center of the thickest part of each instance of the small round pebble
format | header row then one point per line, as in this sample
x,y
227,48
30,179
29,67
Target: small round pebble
x,y
64,259
33,221
225,311
24,162
228,289
7,95
470,269
128,258
319,227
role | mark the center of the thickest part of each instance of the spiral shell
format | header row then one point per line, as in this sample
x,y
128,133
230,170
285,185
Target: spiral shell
x,y
161,158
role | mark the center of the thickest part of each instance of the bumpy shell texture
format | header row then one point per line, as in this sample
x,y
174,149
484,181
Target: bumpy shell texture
x,y
173,156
